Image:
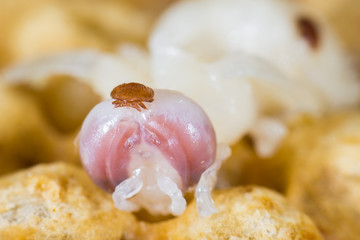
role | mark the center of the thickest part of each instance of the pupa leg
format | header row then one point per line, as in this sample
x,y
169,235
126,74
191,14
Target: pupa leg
x,y
204,202
268,133
170,188
125,190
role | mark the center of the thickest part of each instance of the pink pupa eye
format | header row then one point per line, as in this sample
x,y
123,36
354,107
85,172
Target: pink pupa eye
x,y
148,149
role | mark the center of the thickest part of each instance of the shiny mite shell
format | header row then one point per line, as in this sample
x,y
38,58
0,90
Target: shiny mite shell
x,y
132,95
133,92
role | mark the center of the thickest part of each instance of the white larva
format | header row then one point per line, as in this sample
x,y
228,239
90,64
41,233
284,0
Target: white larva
x,y
250,59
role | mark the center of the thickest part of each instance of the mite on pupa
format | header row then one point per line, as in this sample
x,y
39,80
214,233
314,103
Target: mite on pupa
x,y
149,147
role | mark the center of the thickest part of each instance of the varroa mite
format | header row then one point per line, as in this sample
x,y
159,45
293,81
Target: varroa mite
x,y
132,95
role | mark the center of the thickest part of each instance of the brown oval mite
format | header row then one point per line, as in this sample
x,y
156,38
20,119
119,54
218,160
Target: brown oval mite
x,y
308,30
132,95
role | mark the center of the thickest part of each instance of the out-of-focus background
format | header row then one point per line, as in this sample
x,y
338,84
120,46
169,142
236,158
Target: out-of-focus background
x,y
34,28
30,29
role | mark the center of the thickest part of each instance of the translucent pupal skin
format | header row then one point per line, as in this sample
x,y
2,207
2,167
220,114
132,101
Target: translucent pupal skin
x,y
116,142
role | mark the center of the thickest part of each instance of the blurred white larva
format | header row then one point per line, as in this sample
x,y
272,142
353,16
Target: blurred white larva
x,y
243,60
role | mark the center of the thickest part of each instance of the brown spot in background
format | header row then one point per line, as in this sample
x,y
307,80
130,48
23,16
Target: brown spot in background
x,y
309,31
